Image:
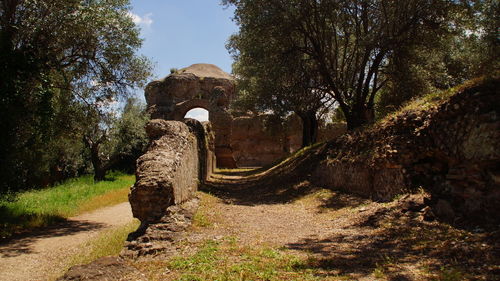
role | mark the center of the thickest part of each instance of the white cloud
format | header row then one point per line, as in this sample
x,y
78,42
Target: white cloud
x,y
145,20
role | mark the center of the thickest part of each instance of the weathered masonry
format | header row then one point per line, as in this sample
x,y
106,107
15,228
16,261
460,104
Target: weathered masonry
x,y
200,85
180,156
241,138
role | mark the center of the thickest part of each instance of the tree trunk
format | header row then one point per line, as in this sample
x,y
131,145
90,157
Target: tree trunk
x,y
100,166
309,128
97,163
99,174
359,117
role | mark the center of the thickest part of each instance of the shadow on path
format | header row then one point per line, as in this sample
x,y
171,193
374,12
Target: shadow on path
x,y
387,240
279,184
23,243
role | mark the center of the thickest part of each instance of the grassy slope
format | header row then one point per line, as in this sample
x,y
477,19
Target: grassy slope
x,y
433,99
39,208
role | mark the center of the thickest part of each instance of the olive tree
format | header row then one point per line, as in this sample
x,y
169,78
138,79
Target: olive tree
x,y
80,52
281,83
348,42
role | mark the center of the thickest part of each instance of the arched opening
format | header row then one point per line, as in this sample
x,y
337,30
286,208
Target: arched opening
x,y
198,113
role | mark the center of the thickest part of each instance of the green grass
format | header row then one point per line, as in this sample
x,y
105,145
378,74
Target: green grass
x,y
236,170
297,154
201,220
214,261
435,98
107,243
208,213
38,208
227,260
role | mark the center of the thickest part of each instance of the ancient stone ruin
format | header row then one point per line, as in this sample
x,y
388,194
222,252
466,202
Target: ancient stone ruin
x,y
451,150
200,85
179,157
242,139
184,152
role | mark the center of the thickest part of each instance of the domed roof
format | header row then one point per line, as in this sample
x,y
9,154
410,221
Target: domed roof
x,y
205,70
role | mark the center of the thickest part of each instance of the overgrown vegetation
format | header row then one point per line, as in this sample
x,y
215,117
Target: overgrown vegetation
x,y
124,140
65,68
37,208
436,97
107,243
365,55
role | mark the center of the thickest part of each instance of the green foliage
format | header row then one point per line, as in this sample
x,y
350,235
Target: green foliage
x,y
275,78
483,35
359,52
339,48
31,209
245,101
463,50
61,62
128,138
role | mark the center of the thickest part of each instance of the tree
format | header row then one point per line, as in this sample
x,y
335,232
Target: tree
x,y
96,135
281,82
349,42
79,52
464,49
129,134
486,14
114,139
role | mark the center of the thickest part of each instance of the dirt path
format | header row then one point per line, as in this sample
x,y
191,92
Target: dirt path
x,y
277,224
333,235
344,237
323,226
44,254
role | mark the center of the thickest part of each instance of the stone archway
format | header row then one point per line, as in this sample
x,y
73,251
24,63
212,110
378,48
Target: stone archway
x,y
182,108
197,113
199,85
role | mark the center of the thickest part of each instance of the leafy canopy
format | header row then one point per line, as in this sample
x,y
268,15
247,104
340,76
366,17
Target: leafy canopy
x,y
59,61
345,46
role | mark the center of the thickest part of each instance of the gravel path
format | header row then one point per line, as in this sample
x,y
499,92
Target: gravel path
x,y
44,254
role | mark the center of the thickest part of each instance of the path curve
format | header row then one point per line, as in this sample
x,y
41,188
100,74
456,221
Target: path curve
x,y
44,254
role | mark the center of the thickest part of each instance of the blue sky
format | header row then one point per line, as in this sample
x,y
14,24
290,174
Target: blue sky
x,y
179,33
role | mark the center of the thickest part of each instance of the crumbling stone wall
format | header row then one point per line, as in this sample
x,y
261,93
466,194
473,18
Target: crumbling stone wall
x,y
199,85
379,183
177,160
256,145
206,147
465,154
239,140
450,149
